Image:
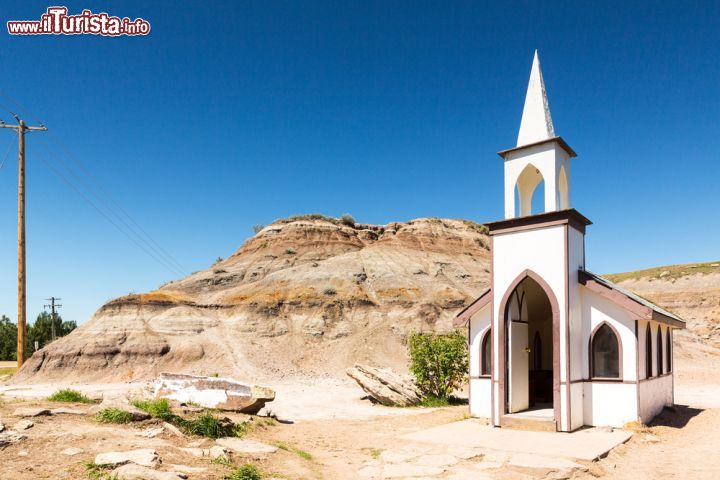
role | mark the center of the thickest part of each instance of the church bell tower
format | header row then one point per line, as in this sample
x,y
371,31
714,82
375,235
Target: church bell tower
x,y
540,155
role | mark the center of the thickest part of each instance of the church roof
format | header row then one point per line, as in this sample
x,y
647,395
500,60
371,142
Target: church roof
x,y
638,306
635,304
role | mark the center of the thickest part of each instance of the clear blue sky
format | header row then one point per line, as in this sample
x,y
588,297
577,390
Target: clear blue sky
x,y
232,114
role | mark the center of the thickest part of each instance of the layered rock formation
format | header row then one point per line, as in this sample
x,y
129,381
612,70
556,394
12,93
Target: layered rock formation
x,y
304,295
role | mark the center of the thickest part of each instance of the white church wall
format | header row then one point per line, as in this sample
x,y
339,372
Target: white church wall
x,y
655,394
596,310
542,251
480,397
576,261
609,403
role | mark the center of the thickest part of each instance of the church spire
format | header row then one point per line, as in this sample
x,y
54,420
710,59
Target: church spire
x,y
536,124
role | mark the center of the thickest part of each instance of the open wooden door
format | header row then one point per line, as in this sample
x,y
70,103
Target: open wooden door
x,y
518,368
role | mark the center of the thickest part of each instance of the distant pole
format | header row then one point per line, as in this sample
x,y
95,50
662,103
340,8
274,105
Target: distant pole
x,y
21,129
53,314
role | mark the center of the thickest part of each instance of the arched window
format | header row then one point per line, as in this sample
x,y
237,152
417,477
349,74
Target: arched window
x,y
537,352
659,351
605,353
648,352
525,186
485,354
668,349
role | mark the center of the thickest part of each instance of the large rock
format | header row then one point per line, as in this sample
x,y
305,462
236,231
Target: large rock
x,y
9,437
386,386
213,392
147,457
31,412
245,446
137,472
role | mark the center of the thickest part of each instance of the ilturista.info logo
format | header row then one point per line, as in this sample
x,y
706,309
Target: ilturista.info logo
x,y
56,21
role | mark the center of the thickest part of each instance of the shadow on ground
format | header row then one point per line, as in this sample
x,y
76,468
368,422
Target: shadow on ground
x,y
676,416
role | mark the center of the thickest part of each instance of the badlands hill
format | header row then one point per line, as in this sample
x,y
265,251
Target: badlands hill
x,y
305,295
312,295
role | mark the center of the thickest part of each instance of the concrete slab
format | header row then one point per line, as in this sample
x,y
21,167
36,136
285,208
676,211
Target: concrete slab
x,y
581,445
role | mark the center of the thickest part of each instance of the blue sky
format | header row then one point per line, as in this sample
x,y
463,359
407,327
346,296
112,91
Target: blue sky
x,y
238,113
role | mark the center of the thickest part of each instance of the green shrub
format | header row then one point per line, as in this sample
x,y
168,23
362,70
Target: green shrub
x,y
439,362
69,395
329,291
246,472
113,415
208,425
348,220
290,251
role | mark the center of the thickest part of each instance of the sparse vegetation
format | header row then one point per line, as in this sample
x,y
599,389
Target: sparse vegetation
x,y
205,425
478,227
257,228
219,270
289,448
668,272
155,408
290,251
329,291
98,472
8,371
245,472
439,363
70,396
113,415
348,220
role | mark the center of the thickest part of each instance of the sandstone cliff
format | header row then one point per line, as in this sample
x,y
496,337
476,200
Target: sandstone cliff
x,y
308,295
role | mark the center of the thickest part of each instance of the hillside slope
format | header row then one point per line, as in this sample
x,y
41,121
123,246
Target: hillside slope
x,y
308,294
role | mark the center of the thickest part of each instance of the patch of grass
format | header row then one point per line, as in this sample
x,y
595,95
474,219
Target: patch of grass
x,y
69,395
8,370
290,251
98,472
289,448
375,452
113,415
245,472
155,408
206,425
433,401
329,291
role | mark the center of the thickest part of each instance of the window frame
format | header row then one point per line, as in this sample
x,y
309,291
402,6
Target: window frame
x,y
668,349
485,339
591,355
659,353
648,352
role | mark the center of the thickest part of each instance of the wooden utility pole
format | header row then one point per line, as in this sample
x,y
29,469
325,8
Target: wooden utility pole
x,y
53,315
21,129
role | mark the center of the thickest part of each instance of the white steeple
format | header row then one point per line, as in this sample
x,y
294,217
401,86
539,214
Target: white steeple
x,y
539,156
536,124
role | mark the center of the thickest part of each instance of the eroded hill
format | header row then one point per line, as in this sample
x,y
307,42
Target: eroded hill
x,y
308,294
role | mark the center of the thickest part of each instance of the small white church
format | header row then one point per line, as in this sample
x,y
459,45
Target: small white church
x,y
553,345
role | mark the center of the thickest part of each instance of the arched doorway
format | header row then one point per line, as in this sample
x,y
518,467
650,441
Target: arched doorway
x,y
529,320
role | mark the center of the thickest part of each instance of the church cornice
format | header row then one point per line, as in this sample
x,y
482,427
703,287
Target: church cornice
x,y
559,140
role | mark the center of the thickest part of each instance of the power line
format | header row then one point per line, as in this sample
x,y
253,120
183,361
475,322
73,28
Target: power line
x,y
53,314
142,232
108,218
143,239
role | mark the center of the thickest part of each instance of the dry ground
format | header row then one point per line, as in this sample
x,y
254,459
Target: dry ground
x,y
343,435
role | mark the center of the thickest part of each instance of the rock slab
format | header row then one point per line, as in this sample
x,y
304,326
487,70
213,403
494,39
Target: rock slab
x,y
138,472
31,412
213,392
146,457
9,437
386,386
242,445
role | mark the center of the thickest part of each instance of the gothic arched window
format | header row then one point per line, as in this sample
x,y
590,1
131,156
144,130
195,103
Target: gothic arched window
x,y
485,353
605,353
659,351
648,352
